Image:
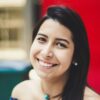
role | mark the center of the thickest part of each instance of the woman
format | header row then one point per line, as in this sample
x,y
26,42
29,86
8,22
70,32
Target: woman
x,y
60,57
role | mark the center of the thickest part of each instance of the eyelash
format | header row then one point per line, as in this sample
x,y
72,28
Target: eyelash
x,y
41,39
62,45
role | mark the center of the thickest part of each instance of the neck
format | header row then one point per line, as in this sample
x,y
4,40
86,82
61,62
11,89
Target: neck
x,y
53,87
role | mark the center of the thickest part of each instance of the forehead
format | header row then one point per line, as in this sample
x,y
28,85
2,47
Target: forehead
x,y
51,26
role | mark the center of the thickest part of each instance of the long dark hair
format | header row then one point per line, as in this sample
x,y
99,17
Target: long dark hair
x,y
74,88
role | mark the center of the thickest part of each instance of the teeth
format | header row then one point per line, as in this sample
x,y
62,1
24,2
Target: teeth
x,y
45,64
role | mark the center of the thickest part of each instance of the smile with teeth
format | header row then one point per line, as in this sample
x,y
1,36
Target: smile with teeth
x,y
45,64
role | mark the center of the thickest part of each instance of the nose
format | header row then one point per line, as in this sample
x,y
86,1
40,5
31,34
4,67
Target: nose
x,y
47,52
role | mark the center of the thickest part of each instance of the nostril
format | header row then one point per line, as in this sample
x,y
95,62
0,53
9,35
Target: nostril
x,y
50,54
47,54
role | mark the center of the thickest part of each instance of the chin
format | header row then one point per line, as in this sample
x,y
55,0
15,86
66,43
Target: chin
x,y
44,76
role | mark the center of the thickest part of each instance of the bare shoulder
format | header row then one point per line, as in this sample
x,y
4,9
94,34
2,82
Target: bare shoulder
x,y
33,75
25,86
90,94
22,88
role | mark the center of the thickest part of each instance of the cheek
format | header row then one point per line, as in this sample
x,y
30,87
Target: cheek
x,y
65,58
33,50
33,53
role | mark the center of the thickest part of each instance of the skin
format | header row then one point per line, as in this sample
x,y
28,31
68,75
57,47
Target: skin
x,y
52,45
49,49
51,55
89,94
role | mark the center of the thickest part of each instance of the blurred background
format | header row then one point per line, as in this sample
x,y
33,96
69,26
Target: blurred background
x,y
15,29
16,24
17,20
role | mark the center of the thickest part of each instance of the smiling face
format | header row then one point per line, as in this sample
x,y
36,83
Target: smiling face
x,y
52,50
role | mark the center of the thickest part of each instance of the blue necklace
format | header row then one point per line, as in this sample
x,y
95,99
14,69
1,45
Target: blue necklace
x,y
46,97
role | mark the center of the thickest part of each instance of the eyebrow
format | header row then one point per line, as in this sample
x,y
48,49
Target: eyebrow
x,y
59,39
42,35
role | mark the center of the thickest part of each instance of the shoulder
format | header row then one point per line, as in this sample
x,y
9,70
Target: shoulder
x,y
26,88
90,94
33,75
22,88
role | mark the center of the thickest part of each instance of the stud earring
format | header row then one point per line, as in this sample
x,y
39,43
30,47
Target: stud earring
x,y
76,63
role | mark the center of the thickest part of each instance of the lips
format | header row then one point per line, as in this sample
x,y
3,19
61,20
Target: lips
x,y
46,64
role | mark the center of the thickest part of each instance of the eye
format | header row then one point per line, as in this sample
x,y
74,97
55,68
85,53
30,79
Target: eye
x,y
61,45
41,39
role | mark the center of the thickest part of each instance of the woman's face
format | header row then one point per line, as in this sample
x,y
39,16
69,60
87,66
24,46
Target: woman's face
x,y
52,50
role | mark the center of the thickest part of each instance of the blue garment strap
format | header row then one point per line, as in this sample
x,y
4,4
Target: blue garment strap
x,y
13,98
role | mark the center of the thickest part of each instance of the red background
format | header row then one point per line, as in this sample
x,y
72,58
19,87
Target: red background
x,y
89,11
